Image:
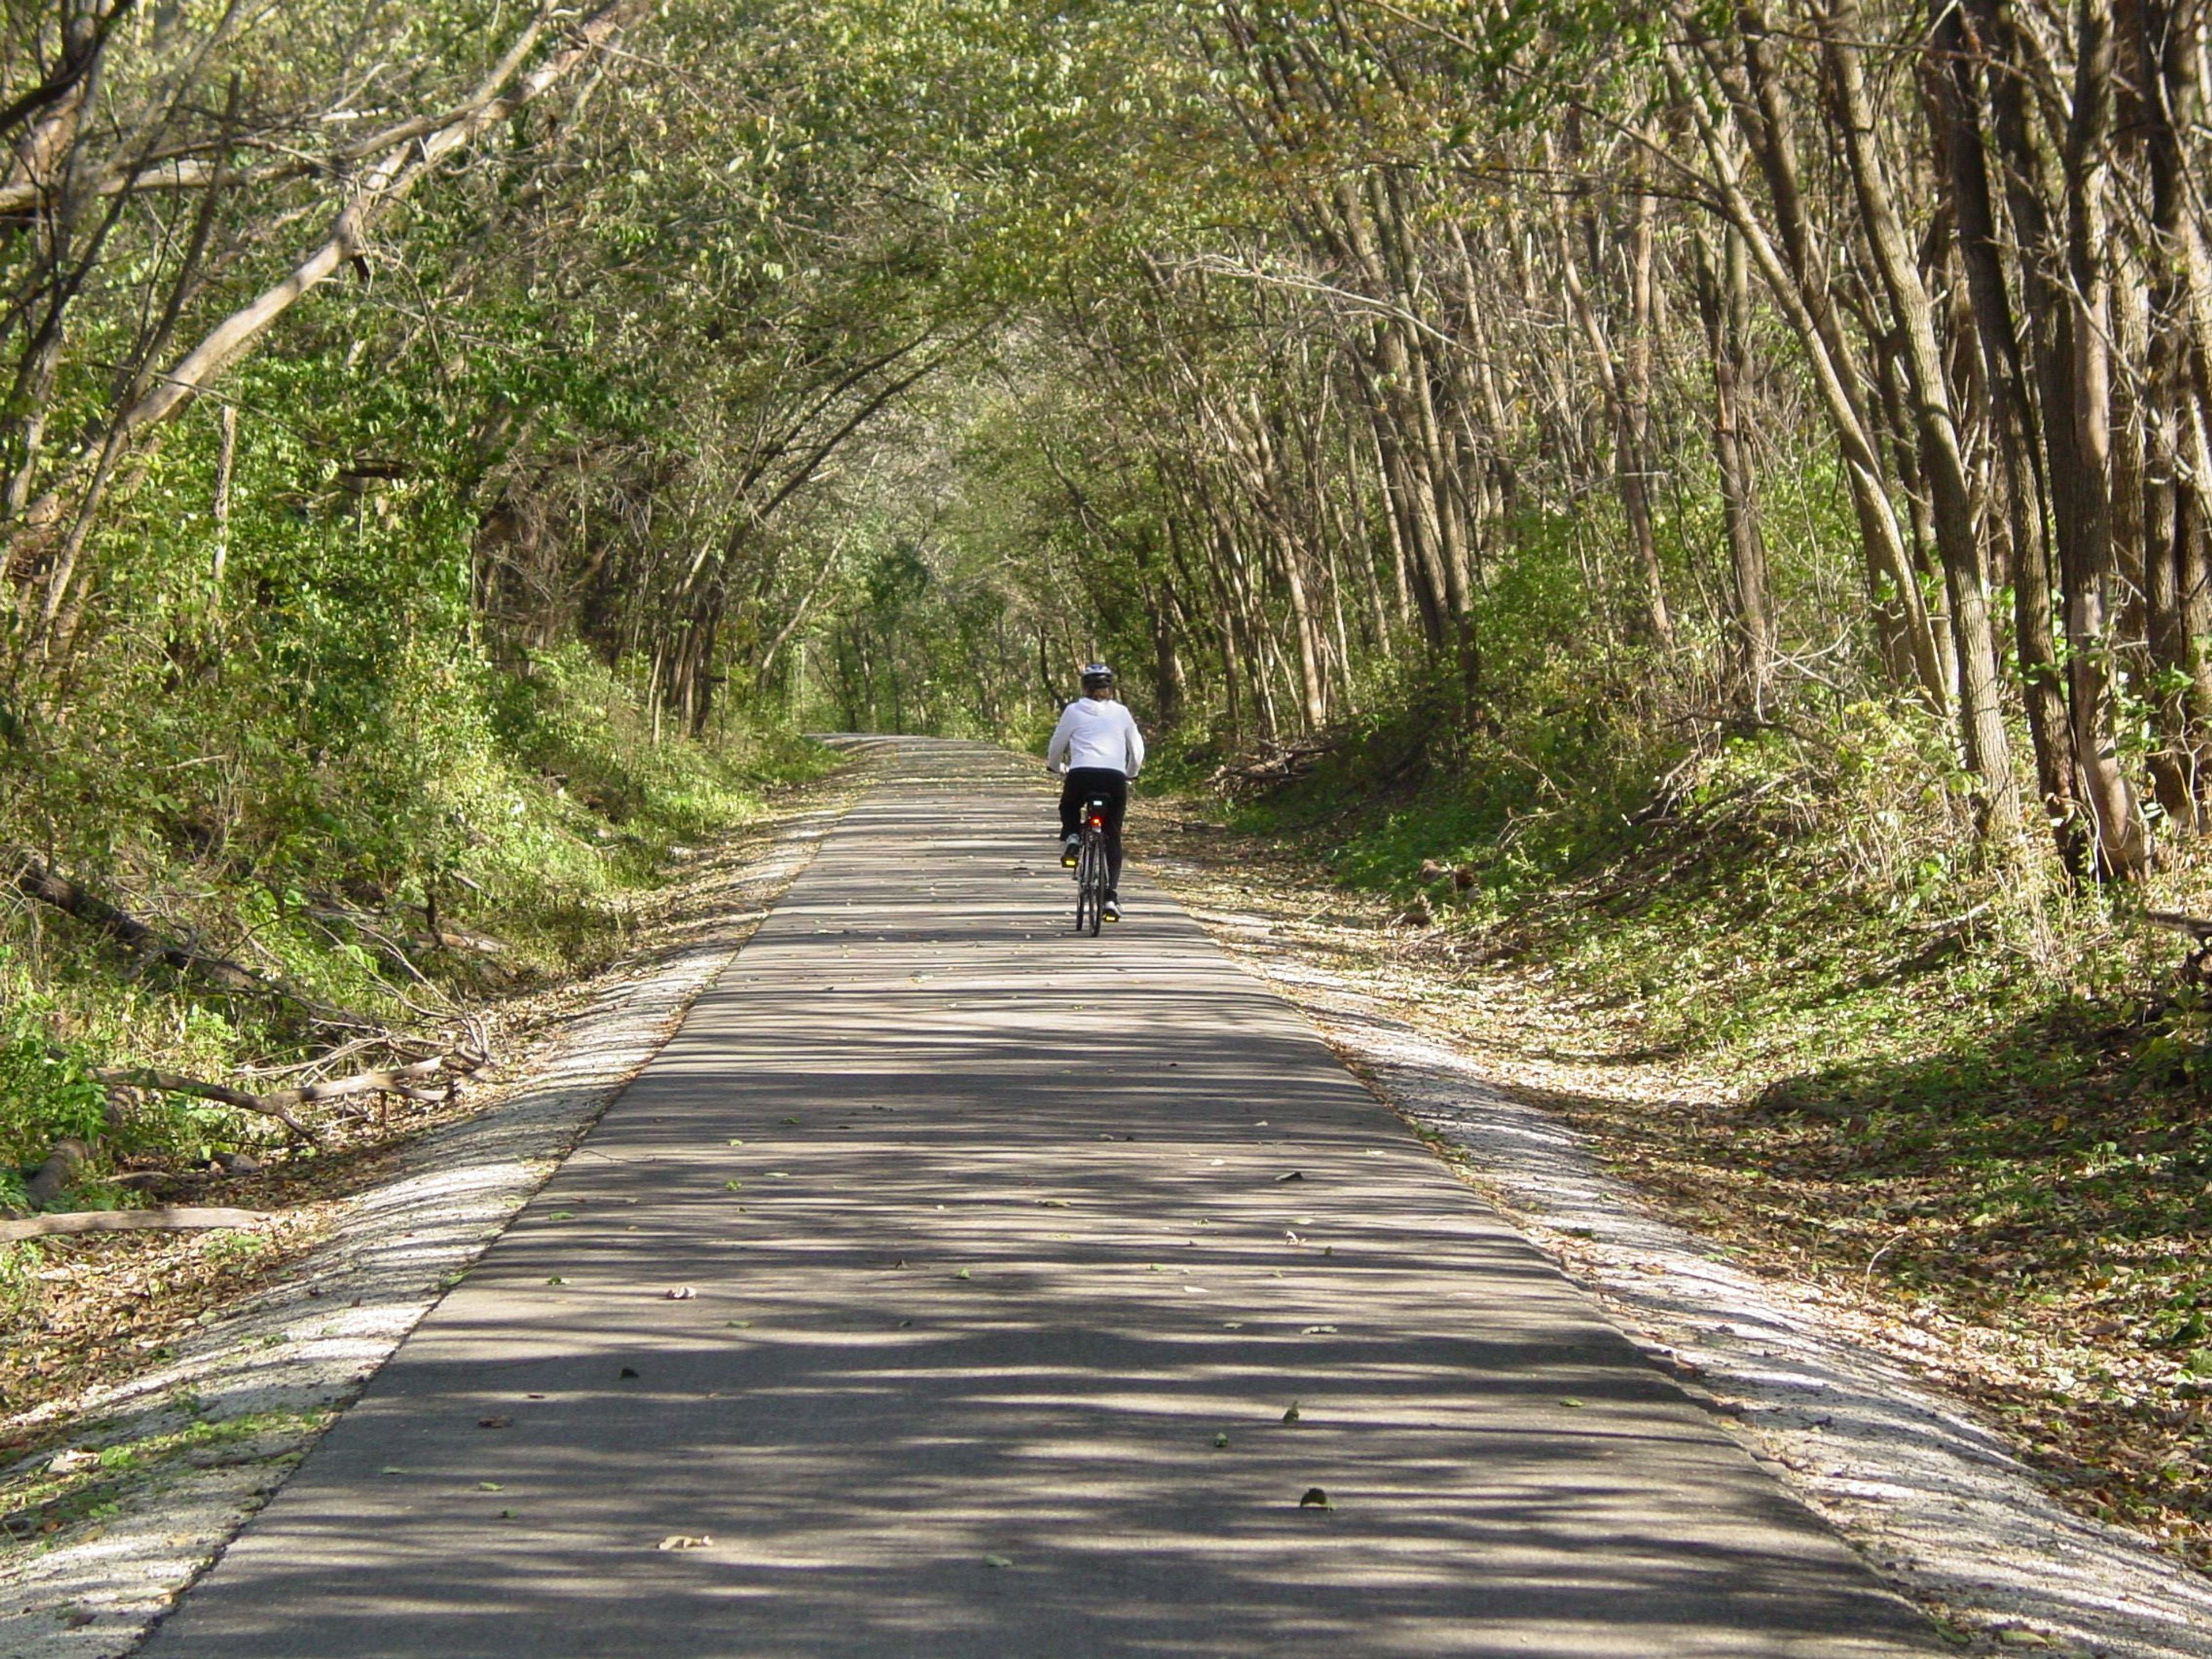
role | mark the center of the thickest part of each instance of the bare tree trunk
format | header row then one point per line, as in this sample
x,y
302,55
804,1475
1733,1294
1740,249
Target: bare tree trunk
x,y
2065,295
1981,715
1800,288
1957,106
1724,304
1631,476
2177,584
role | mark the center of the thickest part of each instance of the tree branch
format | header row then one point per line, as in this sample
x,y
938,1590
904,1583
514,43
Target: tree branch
x,y
168,1219
390,181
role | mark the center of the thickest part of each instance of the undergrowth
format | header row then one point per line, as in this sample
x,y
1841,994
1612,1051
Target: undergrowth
x,y
460,832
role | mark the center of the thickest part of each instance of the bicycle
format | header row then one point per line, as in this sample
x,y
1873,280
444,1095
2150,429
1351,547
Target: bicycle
x,y
1091,869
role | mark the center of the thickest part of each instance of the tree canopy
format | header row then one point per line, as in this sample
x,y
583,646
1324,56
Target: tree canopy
x,y
872,362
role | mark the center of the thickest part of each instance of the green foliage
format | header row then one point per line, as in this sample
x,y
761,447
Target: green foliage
x,y
529,808
47,1090
19,1282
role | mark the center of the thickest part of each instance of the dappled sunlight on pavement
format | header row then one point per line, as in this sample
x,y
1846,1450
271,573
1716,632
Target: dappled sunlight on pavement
x,y
945,1288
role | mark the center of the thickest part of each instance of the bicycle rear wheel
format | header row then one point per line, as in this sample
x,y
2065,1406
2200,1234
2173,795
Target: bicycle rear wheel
x,y
1090,883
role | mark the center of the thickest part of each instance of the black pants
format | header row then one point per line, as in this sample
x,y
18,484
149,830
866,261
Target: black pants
x,y
1090,783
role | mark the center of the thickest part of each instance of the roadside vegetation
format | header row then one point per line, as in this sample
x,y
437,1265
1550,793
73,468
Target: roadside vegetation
x,y
1726,488
1777,983
350,941
309,916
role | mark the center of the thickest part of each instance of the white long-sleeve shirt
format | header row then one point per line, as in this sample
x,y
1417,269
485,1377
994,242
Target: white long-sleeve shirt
x,y
1095,732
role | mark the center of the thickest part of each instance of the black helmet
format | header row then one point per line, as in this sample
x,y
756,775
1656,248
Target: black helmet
x,y
1097,676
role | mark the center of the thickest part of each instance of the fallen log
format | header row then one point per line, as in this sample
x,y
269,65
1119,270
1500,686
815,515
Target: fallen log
x,y
35,878
2197,927
396,1079
54,1170
168,1219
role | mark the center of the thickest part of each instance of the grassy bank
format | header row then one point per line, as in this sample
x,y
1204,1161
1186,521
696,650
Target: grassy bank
x,y
1771,970
481,833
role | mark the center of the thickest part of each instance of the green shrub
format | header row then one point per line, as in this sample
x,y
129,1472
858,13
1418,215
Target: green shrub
x,y
47,1089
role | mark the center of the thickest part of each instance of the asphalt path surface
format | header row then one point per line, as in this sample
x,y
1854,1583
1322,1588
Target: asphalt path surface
x,y
954,1285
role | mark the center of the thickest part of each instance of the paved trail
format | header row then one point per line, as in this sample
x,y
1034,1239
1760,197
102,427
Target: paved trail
x,y
1037,1240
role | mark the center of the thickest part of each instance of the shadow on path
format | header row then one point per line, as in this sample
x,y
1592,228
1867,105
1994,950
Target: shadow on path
x,y
952,1277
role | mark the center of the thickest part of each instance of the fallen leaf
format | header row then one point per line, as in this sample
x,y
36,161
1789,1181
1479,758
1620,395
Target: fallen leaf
x,y
1315,1498
626,1371
490,1486
1569,1400
733,1186
556,1279
963,1273
1295,1174
998,1561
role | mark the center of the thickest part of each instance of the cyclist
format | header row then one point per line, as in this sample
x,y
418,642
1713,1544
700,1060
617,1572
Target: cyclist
x,y
1097,745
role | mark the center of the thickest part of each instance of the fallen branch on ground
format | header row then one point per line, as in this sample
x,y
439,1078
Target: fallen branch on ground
x,y
145,1077
405,1080
1289,761
169,1218
35,878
